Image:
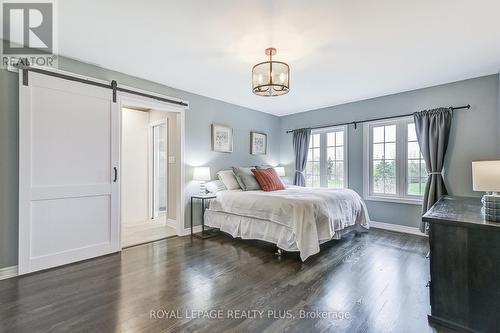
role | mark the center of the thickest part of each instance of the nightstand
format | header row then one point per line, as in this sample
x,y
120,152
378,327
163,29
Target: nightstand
x,y
204,233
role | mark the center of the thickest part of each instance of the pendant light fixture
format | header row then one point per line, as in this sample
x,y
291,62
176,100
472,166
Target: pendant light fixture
x,y
271,78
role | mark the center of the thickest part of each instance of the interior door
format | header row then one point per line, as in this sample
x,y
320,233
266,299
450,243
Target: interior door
x,y
68,177
159,169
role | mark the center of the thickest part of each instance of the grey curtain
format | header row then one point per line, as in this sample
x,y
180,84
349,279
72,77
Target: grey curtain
x,y
433,132
301,140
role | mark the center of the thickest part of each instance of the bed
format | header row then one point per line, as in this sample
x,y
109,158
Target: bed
x,y
295,219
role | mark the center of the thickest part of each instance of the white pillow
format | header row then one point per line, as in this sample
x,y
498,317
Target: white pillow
x,y
227,177
215,186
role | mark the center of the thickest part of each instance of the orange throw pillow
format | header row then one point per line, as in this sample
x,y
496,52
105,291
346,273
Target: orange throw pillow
x,y
268,179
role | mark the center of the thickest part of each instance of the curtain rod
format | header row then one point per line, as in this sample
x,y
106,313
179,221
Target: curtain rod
x,y
355,123
113,85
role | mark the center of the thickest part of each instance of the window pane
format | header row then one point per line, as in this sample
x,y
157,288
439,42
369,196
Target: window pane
x,y
315,139
378,134
416,186
330,154
413,169
340,174
378,151
309,168
339,135
384,176
315,154
390,133
315,168
412,135
309,155
378,177
336,175
423,168
413,150
390,186
339,155
330,138
390,151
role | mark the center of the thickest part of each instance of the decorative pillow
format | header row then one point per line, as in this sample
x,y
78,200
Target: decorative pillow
x,y
246,179
228,179
215,186
268,179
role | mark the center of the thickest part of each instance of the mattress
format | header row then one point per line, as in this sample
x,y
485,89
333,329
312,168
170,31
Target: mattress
x,y
296,219
251,228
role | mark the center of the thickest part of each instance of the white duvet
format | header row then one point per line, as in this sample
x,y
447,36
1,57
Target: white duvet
x,y
312,214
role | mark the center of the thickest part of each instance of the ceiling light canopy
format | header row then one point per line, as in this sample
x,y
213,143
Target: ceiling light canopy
x,y
271,78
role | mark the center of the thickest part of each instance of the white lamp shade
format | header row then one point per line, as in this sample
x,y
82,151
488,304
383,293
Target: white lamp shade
x,y
486,176
201,173
280,171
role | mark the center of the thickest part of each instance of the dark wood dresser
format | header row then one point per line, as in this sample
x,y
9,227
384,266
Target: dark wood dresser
x,y
464,266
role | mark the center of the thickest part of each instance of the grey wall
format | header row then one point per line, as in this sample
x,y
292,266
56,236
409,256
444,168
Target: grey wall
x,y
474,136
203,111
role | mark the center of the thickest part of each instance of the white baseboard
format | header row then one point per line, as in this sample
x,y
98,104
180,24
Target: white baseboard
x,y
397,228
196,229
8,272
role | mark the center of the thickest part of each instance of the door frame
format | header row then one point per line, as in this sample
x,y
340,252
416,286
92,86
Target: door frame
x,y
147,102
128,100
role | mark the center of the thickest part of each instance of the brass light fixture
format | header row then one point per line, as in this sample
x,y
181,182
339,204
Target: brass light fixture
x,y
271,78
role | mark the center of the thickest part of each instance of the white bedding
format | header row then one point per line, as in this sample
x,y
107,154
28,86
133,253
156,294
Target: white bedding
x,y
312,214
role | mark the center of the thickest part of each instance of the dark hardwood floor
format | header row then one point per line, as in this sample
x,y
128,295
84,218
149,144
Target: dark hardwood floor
x,y
375,281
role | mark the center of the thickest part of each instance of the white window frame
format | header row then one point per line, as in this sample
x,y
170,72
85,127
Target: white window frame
x,y
401,195
323,153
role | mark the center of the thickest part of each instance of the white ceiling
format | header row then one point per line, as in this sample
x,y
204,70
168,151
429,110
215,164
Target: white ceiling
x,y
339,51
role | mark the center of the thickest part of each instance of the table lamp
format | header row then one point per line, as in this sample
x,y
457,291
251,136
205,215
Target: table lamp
x,y
202,174
486,178
280,171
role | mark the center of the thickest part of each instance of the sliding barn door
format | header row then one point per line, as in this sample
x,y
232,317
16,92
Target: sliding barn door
x,y
68,182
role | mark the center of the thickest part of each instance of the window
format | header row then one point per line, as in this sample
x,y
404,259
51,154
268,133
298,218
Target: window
x,y
327,158
416,175
394,167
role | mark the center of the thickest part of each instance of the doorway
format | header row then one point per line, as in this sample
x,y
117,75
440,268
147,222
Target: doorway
x,y
70,166
148,163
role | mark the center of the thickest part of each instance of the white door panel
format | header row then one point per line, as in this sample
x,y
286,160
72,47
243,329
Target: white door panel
x,y
61,127
68,199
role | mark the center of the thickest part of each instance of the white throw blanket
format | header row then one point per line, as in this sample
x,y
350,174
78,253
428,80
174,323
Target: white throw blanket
x,y
313,214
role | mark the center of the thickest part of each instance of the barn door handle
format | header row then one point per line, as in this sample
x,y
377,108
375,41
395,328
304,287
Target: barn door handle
x,y
116,174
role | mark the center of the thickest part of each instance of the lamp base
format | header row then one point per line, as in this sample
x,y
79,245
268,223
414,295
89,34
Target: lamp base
x,y
491,207
203,188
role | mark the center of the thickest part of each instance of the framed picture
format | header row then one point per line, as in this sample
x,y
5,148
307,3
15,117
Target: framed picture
x,y
258,143
222,138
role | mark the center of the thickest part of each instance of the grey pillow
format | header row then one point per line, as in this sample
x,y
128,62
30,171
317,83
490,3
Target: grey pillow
x,y
246,178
